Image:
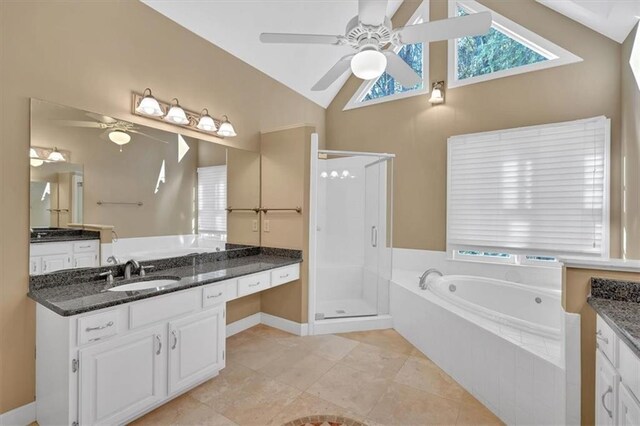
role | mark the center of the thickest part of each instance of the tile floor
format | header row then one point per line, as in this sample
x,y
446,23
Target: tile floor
x,y
273,377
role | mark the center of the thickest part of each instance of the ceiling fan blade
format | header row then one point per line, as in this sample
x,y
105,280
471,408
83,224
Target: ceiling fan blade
x,y
299,38
102,118
446,29
400,70
333,74
372,12
80,123
146,135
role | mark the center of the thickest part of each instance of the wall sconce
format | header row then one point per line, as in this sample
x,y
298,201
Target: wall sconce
x,y
146,105
437,93
38,156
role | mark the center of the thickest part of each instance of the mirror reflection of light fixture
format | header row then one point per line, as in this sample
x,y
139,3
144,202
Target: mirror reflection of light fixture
x,y
368,64
34,158
176,114
55,155
437,93
226,128
206,122
148,105
119,137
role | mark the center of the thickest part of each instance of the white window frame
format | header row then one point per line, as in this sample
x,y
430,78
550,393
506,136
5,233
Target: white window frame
x,y
420,15
518,257
556,55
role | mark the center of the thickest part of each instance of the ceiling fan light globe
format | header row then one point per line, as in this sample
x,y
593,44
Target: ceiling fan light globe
x,y
207,124
149,106
119,137
368,64
177,115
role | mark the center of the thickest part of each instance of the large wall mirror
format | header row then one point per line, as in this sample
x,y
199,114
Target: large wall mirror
x,y
115,191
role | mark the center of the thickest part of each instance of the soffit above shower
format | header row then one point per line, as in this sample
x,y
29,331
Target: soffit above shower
x,y
235,26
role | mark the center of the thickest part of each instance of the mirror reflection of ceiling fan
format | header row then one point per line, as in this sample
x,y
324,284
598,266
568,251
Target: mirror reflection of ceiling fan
x,y
371,34
117,131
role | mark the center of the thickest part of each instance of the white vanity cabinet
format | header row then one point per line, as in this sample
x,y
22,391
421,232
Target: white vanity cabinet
x,y
51,257
617,379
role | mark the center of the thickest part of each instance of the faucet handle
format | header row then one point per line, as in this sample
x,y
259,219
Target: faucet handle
x,y
143,269
109,275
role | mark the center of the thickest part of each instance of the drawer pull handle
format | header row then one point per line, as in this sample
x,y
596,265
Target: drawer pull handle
x,y
609,390
284,276
159,345
100,327
254,284
213,296
605,340
175,339
84,246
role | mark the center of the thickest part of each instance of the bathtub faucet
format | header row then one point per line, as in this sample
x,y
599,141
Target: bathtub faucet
x,y
423,277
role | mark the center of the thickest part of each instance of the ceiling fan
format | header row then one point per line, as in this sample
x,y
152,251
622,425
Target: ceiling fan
x,y
370,32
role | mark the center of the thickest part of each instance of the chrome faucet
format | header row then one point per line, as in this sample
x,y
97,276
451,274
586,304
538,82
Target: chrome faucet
x,y
423,278
132,266
113,259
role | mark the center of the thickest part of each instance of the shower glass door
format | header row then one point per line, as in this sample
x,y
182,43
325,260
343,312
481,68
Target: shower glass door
x,y
353,236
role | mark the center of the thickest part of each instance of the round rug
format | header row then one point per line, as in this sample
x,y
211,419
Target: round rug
x,y
324,420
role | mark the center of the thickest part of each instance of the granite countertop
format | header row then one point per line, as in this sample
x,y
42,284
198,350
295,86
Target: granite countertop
x,y
61,235
618,303
77,291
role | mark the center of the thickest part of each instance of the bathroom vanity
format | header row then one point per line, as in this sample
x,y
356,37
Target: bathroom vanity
x,y
54,249
106,356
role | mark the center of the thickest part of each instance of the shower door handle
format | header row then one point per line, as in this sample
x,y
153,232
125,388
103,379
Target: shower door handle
x,y
374,236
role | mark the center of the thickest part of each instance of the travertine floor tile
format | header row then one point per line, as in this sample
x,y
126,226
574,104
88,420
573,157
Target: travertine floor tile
x,y
255,353
404,405
184,410
305,372
350,388
425,375
386,339
221,390
375,360
470,415
284,362
330,346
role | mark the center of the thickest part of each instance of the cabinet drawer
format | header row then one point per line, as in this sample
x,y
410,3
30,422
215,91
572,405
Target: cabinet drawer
x,y
253,283
162,308
285,275
97,327
84,246
213,295
607,341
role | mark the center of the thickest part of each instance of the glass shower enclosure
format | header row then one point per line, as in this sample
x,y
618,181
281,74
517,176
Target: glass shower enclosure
x,y
353,214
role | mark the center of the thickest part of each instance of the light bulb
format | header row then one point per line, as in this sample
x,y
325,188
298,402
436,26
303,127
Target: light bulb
x,y
368,64
176,114
119,137
437,97
206,123
226,128
334,174
149,105
345,173
324,175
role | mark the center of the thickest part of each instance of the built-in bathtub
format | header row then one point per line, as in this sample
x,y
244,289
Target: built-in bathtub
x,y
500,340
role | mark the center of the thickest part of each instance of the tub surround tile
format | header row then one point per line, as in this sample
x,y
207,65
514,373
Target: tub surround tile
x,y
62,235
75,291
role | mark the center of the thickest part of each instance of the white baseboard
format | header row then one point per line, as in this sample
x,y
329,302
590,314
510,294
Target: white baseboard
x,y
266,319
346,325
20,416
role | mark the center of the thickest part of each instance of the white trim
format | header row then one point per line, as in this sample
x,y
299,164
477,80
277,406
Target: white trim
x,y
556,55
347,325
20,416
313,223
284,324
352,153
420,15
243,324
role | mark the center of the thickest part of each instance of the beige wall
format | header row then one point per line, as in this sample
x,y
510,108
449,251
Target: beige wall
x,y
631,148
91,55
417,132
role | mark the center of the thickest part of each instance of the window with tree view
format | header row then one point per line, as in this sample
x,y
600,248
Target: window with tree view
x,y
386,85
490,53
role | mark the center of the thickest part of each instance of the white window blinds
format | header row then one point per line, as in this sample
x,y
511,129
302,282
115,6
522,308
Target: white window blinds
x,y
534,190
212,199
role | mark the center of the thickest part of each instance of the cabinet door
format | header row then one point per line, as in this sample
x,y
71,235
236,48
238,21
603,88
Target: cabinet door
x,y
55,262
35,265
628,408
122,377
607,379
85,260
196,348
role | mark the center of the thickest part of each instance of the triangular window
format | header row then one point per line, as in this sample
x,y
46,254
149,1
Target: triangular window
x,y
507,49
385,88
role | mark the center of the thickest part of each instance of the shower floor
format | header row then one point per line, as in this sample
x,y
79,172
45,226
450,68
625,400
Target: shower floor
x,y
345,308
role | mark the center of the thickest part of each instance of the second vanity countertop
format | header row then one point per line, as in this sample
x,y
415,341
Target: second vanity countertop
x,y
618,303
73,292
62,235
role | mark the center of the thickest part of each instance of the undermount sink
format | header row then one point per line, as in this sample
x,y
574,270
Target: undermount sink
x,y
147,283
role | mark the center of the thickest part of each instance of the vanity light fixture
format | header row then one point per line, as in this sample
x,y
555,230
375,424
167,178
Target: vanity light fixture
x,y
206,122
226,128
55,155
176,114
34,158
437,93
148,105
119,137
